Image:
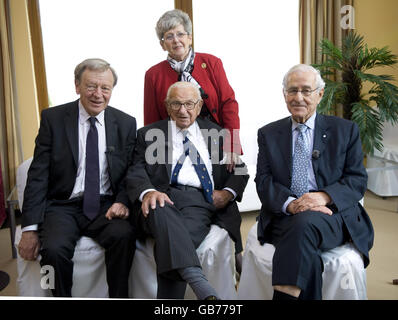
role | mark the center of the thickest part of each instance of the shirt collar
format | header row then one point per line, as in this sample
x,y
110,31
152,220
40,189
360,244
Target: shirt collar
x,y
192,129
83,115
310,123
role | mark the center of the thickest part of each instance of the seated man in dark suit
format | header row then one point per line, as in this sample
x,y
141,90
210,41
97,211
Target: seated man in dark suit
x,y
75,183
310,178
180,185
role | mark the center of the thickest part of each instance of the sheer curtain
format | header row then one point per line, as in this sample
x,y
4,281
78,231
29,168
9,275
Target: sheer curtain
x,y
10,138
2,199
121,32
320,19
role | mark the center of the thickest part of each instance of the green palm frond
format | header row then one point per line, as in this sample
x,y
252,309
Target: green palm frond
x,y
334,94
374,57
331,51
370,125
353,61
352,47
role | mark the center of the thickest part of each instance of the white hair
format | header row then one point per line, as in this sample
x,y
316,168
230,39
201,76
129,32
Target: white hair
x,y
320,84
184,84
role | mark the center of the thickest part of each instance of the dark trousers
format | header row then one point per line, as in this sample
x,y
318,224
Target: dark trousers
x,y
178,230
64,223
299,241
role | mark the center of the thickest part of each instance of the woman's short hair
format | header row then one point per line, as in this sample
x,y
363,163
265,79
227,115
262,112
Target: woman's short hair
x,y
320,84
94,64
172,19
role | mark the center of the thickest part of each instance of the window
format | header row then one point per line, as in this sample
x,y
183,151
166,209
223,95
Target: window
x,y
257,41
121,32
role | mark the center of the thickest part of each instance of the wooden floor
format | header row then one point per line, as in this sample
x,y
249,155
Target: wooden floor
x,y
382,270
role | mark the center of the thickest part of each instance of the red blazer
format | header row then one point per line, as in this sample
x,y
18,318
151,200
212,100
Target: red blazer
x,y
209,73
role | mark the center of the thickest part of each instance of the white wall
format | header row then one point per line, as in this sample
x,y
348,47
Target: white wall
x,y
119,31
258,41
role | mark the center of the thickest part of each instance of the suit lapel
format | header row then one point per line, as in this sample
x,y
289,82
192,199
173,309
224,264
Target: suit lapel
x,y
321,136
111,130
284,140
168,145
72,130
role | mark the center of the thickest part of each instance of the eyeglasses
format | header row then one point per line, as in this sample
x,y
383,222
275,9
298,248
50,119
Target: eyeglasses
x,y
304,92
170,37
189,105
94,88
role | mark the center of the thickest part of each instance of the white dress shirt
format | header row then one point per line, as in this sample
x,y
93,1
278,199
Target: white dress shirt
x,y
187,175
83,127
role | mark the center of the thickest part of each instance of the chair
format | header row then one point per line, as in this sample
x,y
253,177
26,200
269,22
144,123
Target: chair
x,y
89,273
382,166
344,276
16,198
250,200
216,255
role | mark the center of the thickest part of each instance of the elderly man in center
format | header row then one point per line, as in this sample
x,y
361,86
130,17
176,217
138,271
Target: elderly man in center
x,y
310,178
180,184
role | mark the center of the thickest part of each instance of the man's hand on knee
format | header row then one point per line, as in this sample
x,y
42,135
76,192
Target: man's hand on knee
x,y
117,210
221,198
29,245
151,199
314,201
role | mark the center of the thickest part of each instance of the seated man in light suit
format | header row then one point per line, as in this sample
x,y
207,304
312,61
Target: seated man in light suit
x,y
75,183
310,178
180,186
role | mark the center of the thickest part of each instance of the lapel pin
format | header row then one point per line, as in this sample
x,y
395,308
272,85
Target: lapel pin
x,y
204,66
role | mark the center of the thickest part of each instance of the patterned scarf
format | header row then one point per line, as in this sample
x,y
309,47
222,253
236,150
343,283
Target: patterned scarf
x,y
184,68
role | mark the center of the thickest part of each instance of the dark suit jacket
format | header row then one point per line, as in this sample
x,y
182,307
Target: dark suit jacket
x,y
144,175
339,171
53,171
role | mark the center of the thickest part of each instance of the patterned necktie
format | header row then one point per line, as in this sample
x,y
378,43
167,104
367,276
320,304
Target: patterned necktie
x,y
300,163
200,169
91,198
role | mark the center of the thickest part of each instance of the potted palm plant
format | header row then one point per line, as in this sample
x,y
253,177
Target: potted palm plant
x,y
352,63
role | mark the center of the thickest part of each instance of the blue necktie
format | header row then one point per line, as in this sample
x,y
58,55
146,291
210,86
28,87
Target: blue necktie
x,y
200,168
91,198
300,163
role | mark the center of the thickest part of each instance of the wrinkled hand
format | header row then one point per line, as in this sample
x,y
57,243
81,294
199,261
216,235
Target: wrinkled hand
x,y
232,160
117,210
221,198
29,245
151,198
314,201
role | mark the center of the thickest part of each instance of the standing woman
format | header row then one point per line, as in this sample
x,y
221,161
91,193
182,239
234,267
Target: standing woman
x,y
174,30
